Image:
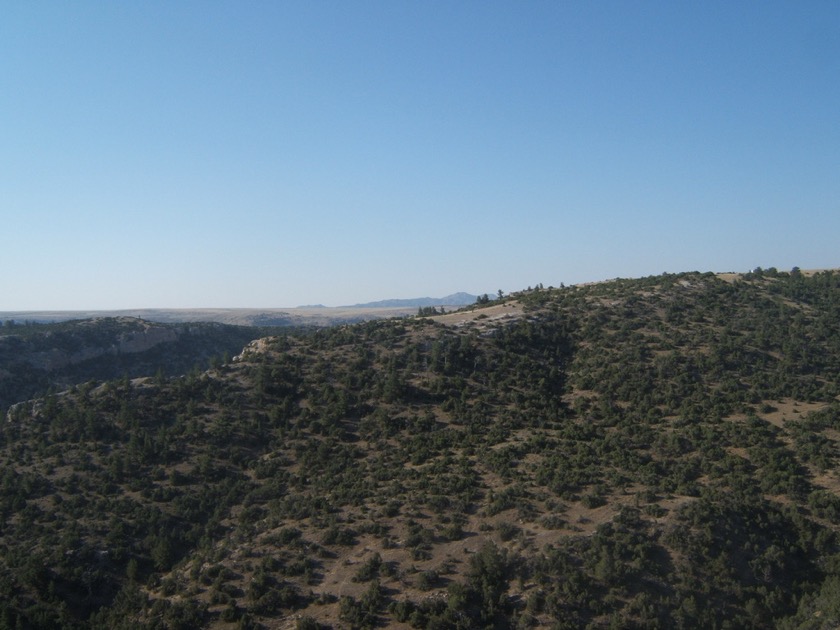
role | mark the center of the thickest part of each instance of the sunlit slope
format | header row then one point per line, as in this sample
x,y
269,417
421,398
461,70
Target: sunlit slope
x,y
637,453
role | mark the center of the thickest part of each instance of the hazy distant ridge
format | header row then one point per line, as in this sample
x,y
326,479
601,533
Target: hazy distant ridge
x,y
455,299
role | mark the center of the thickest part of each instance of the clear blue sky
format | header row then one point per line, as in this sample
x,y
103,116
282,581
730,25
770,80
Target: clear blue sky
x,y
270,154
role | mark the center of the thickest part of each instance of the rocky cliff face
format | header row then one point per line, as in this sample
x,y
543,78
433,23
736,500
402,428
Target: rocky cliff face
x,y
37,357
128,342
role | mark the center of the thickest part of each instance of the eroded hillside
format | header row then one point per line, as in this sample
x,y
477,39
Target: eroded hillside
x,y
639,453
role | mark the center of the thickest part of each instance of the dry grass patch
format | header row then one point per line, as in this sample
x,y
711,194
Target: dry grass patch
x,y
789,409
484,317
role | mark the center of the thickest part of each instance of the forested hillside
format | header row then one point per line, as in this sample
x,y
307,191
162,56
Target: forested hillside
x,y
654,453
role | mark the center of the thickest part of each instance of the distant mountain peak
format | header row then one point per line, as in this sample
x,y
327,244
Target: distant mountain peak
x,y
454,299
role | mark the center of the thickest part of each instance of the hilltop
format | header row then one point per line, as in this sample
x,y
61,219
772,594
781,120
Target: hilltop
x,y
656,452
